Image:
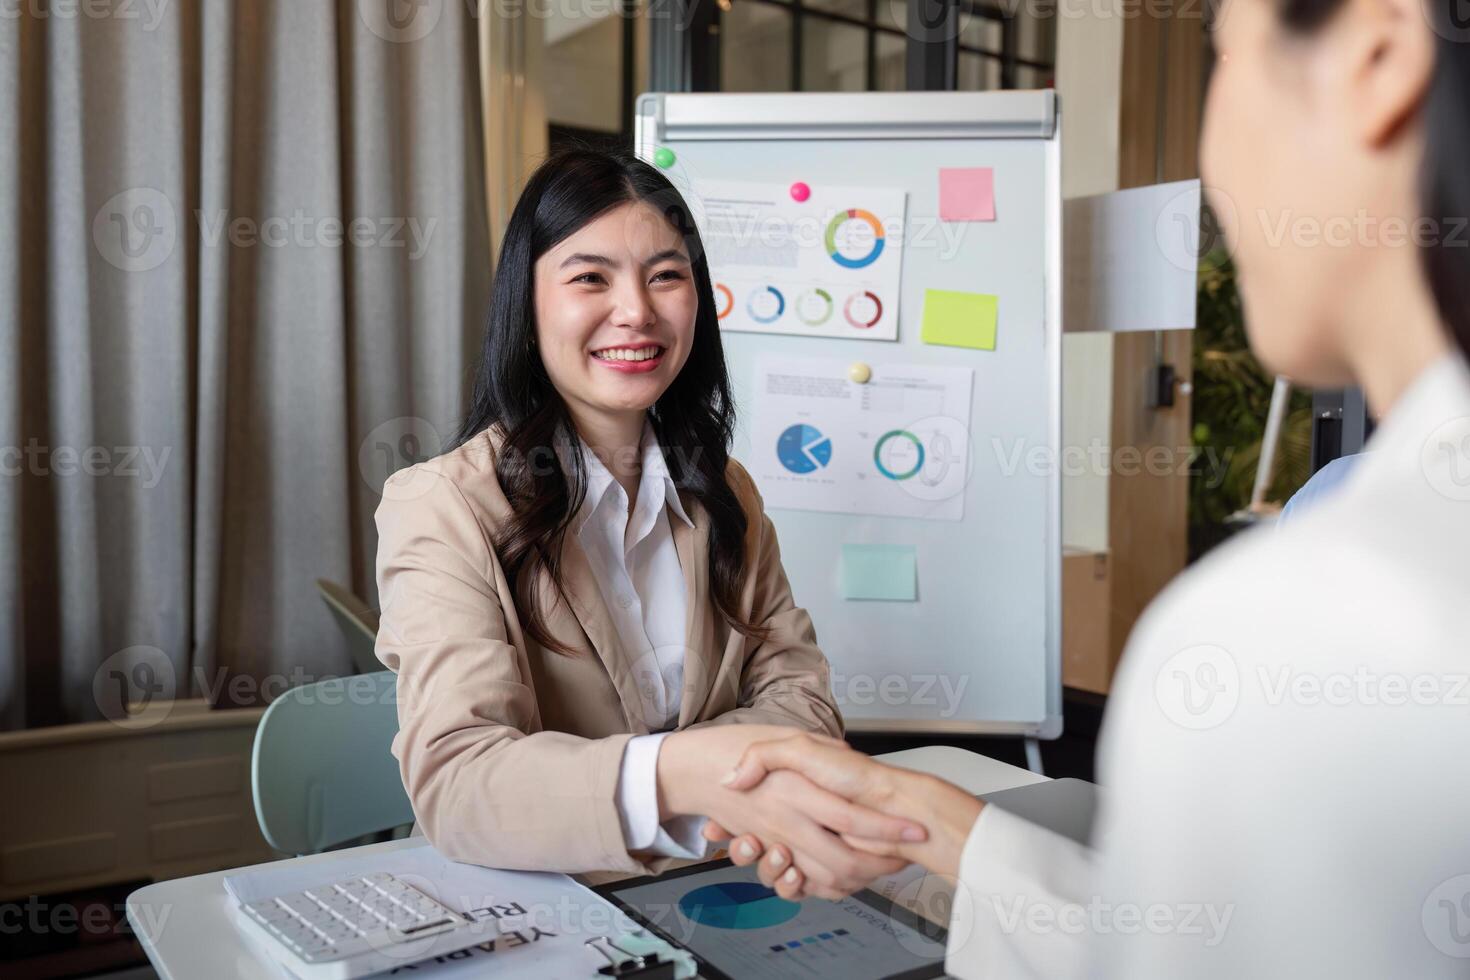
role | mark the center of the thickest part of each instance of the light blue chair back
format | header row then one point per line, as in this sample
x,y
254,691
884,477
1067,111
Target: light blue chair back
x,y
357,621
322,771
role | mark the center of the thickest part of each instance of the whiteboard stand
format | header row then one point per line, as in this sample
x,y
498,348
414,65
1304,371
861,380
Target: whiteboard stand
x,y
1033,756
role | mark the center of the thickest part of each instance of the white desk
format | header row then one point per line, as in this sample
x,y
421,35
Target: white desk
x,y
185,925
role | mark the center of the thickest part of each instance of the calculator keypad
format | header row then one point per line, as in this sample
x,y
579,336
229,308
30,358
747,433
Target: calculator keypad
x,y
347,917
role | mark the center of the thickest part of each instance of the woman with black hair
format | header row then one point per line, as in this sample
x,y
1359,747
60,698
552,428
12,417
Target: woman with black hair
x,y
1284,764
586,570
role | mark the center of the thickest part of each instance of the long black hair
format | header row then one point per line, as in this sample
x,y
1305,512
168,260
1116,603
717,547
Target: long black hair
x,y
1444,185
693,420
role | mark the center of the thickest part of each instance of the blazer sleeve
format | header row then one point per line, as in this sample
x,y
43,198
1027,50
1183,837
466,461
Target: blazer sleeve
x,y
487,786
785,679
1009,869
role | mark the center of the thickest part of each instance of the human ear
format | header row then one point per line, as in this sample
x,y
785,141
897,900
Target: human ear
x,y
1390,52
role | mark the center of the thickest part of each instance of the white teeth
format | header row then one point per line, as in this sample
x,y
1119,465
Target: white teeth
x,y
624,354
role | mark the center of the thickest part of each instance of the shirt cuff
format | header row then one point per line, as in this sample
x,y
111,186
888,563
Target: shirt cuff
x,y
637,797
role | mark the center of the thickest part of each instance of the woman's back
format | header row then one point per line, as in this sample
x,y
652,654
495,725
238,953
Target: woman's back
x,y
1286,747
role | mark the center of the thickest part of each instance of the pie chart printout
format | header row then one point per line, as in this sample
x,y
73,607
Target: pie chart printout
x,y
746,931
803,449
737,905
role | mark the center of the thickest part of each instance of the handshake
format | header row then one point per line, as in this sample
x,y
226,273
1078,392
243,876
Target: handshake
x,y
817,817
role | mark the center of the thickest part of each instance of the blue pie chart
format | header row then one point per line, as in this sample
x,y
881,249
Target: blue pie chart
x,y
802,449
737,905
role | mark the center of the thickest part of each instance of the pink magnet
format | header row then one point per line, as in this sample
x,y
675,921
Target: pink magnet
x,y
800,192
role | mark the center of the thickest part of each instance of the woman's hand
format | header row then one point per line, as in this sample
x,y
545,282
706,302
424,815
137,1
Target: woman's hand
x,y
947,811
785,810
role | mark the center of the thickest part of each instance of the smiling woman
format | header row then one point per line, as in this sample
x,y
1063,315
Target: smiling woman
x,y
585,587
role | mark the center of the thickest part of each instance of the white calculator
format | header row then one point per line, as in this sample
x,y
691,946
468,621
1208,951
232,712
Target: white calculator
x,y
358,926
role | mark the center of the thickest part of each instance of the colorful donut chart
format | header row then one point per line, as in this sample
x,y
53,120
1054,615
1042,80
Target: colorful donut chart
x,y
756,294
877,310
826,299
724,311
854,214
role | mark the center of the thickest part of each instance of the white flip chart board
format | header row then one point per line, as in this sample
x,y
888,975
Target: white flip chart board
x,y
978,648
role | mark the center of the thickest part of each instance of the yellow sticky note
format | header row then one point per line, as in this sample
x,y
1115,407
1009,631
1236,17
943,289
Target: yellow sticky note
x,y
958,319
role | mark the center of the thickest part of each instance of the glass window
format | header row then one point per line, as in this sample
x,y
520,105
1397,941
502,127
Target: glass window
x,y
584,66
893,13
838,37
1028,77
857,9
834,56
980,32
891,54
1037,32
977,73
755,48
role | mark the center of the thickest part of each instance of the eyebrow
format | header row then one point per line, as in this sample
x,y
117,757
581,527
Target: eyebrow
x,y
593,259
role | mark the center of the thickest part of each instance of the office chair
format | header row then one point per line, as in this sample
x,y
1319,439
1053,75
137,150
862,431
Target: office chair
x,y
358,622
321,771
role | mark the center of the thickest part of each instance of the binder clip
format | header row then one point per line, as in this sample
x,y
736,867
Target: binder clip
x,y
644,964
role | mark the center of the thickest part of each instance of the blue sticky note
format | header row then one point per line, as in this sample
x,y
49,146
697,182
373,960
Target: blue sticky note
x,y
880,571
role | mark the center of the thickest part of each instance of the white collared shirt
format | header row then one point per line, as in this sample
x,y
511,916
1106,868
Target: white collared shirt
x,y
1285,781
641,580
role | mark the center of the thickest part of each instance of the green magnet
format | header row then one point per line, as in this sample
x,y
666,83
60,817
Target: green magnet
x,y
664,157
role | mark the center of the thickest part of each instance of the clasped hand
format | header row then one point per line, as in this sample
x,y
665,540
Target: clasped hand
x,y
825,837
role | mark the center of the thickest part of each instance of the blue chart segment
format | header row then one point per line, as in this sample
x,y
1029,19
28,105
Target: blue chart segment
x,y
803,449
767,298
798,943
737,905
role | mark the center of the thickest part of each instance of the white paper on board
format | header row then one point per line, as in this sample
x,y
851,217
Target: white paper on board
x,y
1131,259
829,266
897,446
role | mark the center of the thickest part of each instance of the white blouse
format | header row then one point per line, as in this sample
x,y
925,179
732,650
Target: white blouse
x,y
1285,760
642,583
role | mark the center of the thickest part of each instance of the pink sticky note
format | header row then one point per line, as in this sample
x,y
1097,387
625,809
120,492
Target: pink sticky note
x,y
966,194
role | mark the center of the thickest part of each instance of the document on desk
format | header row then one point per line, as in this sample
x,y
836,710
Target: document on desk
x,y
542,919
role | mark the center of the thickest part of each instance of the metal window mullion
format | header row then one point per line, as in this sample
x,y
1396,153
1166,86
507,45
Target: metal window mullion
x,y
629,11
797,82
870,75
1010,42
933,49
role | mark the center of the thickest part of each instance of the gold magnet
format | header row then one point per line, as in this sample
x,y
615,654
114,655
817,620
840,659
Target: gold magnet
x,y
859,372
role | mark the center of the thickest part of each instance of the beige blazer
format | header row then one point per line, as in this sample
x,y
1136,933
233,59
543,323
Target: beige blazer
x,y
510,752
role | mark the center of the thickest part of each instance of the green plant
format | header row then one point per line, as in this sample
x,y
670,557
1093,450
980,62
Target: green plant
x,y
1232,394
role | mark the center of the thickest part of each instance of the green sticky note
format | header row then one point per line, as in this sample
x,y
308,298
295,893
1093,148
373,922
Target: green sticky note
x,y
880,571
960,319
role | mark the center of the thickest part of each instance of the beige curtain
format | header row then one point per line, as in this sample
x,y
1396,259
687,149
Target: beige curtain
x,y
242,278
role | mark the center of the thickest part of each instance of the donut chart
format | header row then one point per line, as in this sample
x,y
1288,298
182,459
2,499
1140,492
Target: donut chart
x,y
728,299
854,320
759,296
806,300
905,455
854,214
